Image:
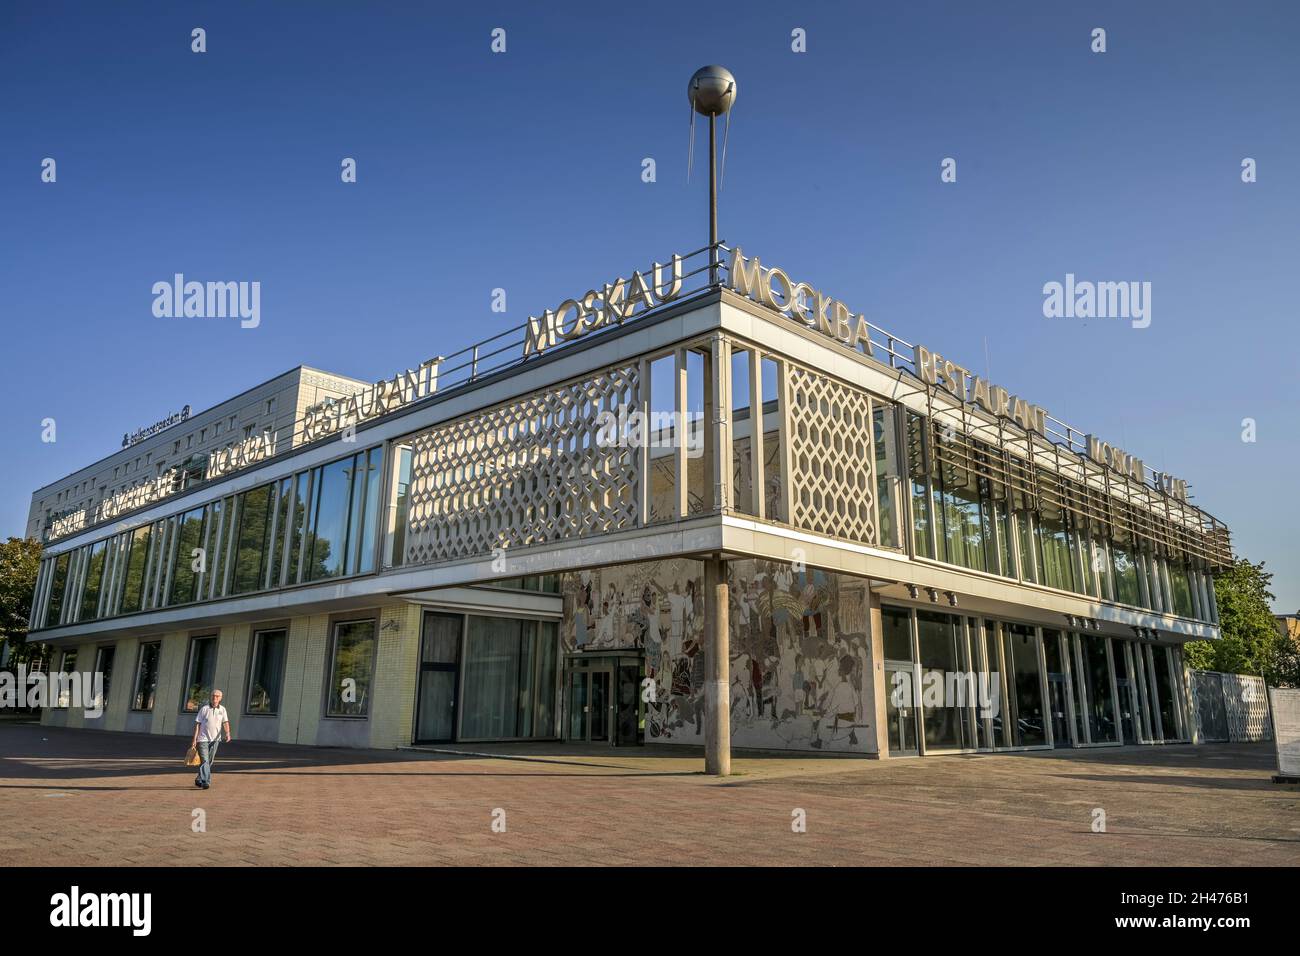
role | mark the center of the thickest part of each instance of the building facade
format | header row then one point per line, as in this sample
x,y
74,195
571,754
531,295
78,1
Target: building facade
x,y
705,504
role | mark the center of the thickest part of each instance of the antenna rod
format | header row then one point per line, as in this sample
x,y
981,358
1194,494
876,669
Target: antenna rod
x,y
712,91
713,204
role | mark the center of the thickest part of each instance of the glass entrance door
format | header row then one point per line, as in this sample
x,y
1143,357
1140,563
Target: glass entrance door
x,y
440,639
590,705
1058,688
602,698
1124,691
900,710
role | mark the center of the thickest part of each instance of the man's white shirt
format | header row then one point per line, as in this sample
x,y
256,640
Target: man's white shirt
x,y
210,721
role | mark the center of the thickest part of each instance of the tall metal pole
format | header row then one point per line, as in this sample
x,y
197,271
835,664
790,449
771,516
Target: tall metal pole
x,y
712,91
713,202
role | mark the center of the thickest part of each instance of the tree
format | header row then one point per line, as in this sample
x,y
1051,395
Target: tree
x,y
1251,642
20,558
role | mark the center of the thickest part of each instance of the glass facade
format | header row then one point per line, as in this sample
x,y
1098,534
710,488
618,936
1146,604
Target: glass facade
x,y
318,524
971,506
979,685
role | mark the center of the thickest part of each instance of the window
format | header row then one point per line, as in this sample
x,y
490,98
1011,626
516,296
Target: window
x,y
200,673
918,468
1181,588
68,666
510,678
1124,570
896,634
888,474
1055,549
266,673
661,438
352,664
54,608
217,535
252,544
104,667
94,580
189,537
297,527
397,555
329,526
283,501
146,677
344,513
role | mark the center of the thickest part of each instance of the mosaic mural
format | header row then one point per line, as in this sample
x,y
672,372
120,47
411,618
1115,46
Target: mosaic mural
x,y
799,649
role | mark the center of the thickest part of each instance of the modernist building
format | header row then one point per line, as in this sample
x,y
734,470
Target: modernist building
x,y
704,483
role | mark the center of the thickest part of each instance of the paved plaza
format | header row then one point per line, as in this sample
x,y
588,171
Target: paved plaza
x,y
76,797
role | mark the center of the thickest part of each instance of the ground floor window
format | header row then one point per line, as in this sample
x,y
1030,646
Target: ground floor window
x,y
146,677
266,673
104,667
68,666
352,668
509,678
200,673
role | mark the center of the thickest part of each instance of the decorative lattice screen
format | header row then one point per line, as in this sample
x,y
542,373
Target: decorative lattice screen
x,y
832,471
524,473
1246,700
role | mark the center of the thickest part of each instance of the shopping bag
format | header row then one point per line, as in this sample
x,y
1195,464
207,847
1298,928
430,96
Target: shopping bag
x,y
192,757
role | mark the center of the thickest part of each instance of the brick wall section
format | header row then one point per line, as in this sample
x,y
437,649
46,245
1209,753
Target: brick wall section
x,y
313,679
393,713
295,658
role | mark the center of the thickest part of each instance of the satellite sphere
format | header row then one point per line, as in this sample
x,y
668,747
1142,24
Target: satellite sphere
x,y
712,90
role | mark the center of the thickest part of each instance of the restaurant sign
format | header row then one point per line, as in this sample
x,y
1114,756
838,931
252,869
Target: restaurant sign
x,y
388,395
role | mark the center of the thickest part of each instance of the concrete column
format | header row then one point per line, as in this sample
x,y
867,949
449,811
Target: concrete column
x,y
717,668
874,687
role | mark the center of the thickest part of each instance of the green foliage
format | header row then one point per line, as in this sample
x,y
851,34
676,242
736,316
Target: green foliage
x,y
1251,642
20,558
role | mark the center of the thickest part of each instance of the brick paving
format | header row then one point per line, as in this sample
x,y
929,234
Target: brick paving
x,y
78,797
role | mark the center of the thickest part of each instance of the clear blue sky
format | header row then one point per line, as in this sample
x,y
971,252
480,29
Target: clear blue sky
x,y
522,171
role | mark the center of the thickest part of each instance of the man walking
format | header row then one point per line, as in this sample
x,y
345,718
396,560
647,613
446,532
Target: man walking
x,y
210,725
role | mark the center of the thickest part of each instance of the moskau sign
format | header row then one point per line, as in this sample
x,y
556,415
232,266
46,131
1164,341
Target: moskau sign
x,y
797,300
615,303
250,451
